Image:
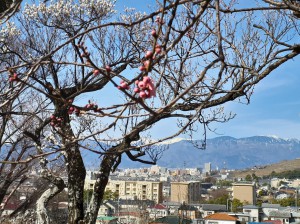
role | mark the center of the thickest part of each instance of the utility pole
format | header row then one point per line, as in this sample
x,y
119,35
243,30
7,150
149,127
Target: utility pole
x,y
296,197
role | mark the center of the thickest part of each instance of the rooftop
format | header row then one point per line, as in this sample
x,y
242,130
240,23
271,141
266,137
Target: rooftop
x,y
106,218
220,216
266,205
250,207
214,207
280,214
172,220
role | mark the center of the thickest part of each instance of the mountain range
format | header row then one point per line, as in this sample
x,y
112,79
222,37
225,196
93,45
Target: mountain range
x,y
224,152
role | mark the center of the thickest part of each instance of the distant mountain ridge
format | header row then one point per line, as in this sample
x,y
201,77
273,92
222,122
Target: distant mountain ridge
x,y
226,152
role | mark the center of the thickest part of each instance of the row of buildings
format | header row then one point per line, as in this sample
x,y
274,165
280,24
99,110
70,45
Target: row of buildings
x,y
158,195
181,192
135,212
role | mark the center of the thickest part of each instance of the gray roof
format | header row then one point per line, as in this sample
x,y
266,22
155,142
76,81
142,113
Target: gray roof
x,y
296,214
266,205
279,214
187,207
213,207
250,207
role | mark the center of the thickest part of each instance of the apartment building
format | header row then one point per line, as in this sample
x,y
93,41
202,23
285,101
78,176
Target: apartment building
x,y
245,192
187,192
142,190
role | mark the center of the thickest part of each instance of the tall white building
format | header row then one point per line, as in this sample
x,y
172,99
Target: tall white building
x,y
207,168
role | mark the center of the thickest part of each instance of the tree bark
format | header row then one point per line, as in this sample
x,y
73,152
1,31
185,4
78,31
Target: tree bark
x,y
76,177
41,211
99,188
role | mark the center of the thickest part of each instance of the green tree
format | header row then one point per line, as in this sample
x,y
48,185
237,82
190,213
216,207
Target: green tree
x,y
110,195
210,179
237,205
224,183
254,177
286,202
259,202
248,177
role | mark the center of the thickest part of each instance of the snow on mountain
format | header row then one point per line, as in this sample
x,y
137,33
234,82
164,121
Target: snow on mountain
x,y
236,153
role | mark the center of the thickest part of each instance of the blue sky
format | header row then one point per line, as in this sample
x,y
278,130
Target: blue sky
x,y
274,109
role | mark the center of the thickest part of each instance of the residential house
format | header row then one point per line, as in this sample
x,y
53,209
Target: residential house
x,y
172,220
241,217
220,218
108,208
158,211
172,207
117,207
133,216
266,209
281,195
275,182
189,212
283,216
252,211
209,209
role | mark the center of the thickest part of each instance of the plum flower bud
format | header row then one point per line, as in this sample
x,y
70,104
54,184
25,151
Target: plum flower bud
x,y
153,33
146,79
147,64
96,72
108,68
142,85
149,54
143,94
142,68
145,88
123,85
157,49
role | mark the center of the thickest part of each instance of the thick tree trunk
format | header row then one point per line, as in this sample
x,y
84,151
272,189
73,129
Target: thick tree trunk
x,y
41,211
99,188
76,177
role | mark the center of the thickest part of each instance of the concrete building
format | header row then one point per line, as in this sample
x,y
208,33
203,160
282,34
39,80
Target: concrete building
x,y
187,192
245,192
142,190
207,168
